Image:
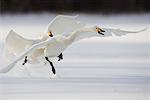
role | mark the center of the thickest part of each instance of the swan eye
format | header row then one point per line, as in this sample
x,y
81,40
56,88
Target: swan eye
x,y
97,29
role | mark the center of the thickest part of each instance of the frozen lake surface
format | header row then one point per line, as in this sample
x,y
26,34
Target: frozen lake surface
x,y
112,68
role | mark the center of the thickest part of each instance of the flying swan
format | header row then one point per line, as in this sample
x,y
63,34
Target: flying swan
x,y
60,33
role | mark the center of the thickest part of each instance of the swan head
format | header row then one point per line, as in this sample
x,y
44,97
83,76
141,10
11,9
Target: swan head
x,y
99,30
96,29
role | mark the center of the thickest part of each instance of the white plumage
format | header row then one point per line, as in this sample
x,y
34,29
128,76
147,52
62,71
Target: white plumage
x,y
66,30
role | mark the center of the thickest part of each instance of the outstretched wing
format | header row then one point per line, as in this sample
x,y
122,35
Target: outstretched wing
x,y
118,32
62,24
15,44
29,51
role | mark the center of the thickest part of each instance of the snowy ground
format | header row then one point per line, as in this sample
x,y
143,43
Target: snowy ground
x,y
112,68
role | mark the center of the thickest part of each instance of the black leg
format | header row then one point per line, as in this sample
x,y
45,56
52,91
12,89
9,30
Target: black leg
x,y
53,69
60,57
25,61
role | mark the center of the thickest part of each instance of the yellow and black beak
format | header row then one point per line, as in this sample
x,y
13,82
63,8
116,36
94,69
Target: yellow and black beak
x,y
50,34
99,30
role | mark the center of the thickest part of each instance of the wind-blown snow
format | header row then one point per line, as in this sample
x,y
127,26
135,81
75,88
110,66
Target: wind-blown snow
x,y
113,68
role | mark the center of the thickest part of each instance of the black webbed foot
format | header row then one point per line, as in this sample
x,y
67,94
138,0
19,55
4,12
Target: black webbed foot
x,y
25,60
60,57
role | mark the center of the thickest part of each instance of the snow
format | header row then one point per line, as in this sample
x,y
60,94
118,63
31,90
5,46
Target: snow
x,y
110,68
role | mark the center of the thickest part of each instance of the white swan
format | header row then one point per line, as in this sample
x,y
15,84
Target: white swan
x,y
16,44
54,46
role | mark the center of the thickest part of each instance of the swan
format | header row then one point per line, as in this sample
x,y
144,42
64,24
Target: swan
x,y
64,30
15,44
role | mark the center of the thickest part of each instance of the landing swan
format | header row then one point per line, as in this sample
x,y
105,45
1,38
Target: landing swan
x,y
65,29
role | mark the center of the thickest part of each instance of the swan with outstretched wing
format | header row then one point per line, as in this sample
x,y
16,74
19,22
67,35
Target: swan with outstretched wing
x,y
15,44
54,46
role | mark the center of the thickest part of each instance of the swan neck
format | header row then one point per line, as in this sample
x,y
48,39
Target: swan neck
x,y
75,34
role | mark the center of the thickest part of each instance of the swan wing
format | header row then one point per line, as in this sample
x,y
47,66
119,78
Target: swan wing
x,y
15,44
118,32
29,51
63,24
